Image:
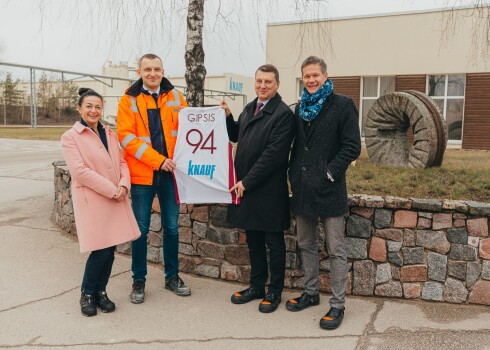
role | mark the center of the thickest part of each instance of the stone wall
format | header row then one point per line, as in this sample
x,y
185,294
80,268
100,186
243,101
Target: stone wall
x,y
397,247
63,205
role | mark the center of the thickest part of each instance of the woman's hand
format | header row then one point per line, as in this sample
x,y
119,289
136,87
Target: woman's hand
x,y
121,193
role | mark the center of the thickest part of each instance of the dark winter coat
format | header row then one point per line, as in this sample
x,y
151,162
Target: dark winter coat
x,y
330,144
261,163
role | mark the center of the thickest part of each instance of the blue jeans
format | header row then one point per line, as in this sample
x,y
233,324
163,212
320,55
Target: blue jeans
x,y
142,200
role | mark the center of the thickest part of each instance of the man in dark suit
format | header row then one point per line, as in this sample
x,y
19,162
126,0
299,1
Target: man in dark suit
x,y
327,141
264,131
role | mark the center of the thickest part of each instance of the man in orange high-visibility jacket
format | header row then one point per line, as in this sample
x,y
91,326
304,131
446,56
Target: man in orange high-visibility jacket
x,y
147,122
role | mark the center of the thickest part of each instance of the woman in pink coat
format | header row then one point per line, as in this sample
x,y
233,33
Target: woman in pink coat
x,y
100,185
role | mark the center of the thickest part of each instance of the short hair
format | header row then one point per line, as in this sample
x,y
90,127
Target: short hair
x,y
269,68
150,56
85,92
314,60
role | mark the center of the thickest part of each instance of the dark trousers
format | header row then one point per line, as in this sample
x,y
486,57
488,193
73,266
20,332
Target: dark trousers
x,y
98,270
258,242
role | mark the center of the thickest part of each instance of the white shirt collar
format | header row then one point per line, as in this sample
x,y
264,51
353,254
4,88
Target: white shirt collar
x,y
157,91
263,102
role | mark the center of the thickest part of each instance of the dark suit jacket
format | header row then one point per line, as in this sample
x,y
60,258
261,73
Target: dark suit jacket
x,y
330,144
261,163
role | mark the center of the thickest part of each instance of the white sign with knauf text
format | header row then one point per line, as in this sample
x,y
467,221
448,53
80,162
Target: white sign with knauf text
x,y
204,156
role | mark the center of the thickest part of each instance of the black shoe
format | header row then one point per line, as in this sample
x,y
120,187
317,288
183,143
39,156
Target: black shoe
x,y
87,305
270,303
137,295
176,285
302,302
332,319
103,302
247,295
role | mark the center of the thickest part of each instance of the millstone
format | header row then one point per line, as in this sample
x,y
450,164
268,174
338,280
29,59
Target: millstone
x,y
386,128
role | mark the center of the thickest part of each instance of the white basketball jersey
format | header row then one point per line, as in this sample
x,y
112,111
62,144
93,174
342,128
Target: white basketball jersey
x,y
205,171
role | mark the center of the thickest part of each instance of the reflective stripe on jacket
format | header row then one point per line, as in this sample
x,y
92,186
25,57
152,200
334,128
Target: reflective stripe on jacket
x,y
134,131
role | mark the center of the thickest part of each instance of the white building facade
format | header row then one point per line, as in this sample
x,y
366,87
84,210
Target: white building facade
x,y
435,52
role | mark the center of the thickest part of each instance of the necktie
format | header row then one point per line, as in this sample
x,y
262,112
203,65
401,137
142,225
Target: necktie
x,y
258,108
155,97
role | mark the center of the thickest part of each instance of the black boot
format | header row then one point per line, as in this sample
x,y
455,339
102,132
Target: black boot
x,y
332,319
103,302
137,295
87,305
270,302
302,302
247,295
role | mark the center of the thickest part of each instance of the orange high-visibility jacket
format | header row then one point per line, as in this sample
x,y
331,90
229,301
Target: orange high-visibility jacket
x,y
134,131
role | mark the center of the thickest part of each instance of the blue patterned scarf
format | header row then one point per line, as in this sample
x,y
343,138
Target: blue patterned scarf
x,y
311,104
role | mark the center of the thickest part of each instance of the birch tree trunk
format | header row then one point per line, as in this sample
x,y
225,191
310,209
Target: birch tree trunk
x,y
195,72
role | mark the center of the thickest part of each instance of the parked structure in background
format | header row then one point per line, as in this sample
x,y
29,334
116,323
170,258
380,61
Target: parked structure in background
x,y
376,54
56,92
240,88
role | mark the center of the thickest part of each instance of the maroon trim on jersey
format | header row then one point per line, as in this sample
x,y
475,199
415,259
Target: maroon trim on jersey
x,y
176,188
232,178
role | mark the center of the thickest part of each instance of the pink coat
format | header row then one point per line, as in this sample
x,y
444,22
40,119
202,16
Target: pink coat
x,y
95,175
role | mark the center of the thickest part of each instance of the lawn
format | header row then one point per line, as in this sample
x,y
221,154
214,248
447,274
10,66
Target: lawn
x,y
28,133
464,174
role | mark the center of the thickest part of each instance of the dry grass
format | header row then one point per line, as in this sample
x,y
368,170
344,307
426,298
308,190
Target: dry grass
x,y
28,133
464,174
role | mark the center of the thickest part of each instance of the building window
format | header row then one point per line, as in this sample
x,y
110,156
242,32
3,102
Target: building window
x,y
301,85
447,91
372,89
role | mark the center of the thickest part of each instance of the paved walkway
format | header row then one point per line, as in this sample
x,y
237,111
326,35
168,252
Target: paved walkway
x,y
41,270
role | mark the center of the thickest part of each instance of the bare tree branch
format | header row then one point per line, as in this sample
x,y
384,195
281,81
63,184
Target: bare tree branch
x,y
118,22
479,15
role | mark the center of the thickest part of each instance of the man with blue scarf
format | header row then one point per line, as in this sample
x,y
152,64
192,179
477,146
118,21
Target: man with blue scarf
x,y
327,141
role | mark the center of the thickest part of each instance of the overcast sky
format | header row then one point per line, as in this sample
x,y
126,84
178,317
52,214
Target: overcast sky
x,y
80,35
